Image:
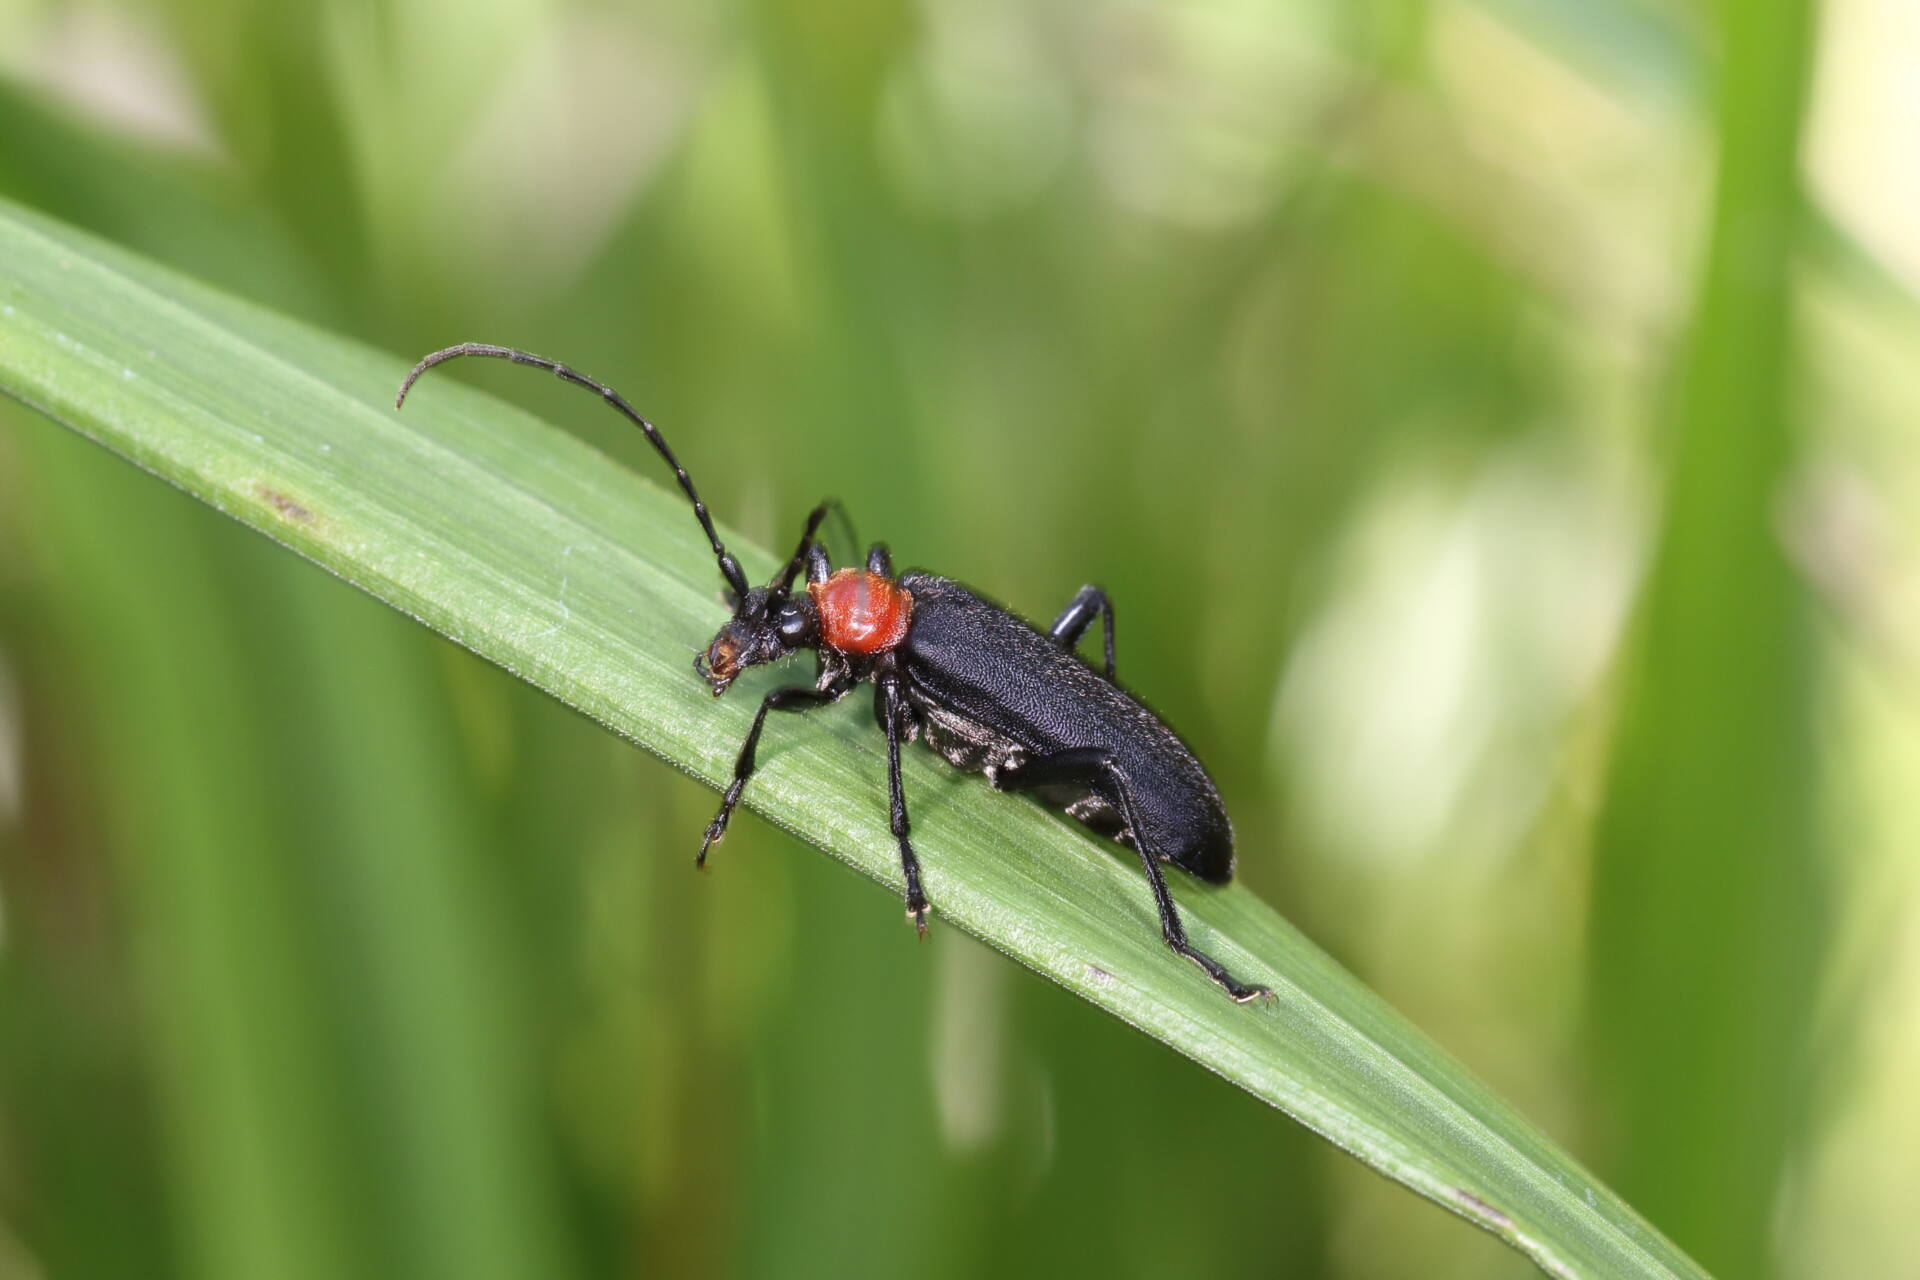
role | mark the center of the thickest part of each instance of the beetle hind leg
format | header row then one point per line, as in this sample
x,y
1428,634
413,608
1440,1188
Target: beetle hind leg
x,y
1086,766
1237,991
1175,935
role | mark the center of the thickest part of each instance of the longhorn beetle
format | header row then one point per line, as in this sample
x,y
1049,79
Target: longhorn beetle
x,y
987,691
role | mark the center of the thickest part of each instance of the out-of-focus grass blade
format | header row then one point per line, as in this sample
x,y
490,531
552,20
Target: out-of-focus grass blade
x,y
534,551
1709,894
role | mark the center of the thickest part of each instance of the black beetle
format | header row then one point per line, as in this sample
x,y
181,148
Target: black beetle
x,y
986,690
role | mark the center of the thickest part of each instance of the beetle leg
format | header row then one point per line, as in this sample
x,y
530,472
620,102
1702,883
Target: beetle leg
x,y
1089,603
1083,766
894,714
1170,927
880,560
842,524
792,698
783,581
819,567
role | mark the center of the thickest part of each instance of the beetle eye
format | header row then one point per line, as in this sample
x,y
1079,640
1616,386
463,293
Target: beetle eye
x,y
794,625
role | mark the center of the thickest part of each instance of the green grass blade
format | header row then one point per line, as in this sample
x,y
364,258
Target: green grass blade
x,y
533,550
1711,887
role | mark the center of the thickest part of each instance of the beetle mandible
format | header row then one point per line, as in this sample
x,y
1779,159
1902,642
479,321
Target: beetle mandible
x,y
983,688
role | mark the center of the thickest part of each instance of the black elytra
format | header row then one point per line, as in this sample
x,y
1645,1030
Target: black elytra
x,y
983,688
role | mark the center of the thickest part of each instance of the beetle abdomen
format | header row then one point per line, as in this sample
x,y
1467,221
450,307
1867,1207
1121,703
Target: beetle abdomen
x,y
993,693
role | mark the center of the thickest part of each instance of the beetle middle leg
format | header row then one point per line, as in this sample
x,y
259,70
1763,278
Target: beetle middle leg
x,y
1093,769
792,698
893,710
1089,603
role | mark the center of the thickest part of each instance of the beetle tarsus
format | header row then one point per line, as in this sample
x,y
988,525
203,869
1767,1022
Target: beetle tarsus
x,y
716,830
1239,992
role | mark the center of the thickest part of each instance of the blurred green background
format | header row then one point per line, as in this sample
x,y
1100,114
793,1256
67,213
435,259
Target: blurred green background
x,y
1524,525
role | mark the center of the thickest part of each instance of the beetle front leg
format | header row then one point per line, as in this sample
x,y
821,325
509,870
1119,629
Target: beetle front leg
x,y
792,698
1089,603
894,712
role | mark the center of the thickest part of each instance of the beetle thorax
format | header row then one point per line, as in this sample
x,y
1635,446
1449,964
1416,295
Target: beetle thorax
x,y
862,613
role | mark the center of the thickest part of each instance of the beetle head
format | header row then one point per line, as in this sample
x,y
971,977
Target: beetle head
x,y
768,623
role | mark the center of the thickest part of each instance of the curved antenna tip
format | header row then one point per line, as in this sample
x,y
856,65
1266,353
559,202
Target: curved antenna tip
x,y
729,567
450,353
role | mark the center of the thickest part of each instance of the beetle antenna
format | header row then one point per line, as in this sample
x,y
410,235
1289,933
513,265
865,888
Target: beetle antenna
x,y
729,567
783,584
844,524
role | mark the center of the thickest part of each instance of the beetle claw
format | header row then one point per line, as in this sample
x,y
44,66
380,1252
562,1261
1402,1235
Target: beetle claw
x,y
713,836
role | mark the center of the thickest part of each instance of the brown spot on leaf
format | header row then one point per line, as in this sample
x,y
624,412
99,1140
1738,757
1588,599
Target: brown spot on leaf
x,y
1481,1209
286,506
